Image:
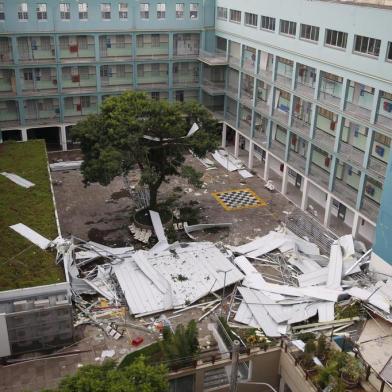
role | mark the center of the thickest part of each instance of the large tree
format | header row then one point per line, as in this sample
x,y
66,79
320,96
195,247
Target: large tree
x,y
136,377
135,130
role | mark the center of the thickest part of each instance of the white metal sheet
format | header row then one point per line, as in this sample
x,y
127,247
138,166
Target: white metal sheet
x,y
225,161
326,311
371,295
335,267
18,180
245,174
31,235
158,227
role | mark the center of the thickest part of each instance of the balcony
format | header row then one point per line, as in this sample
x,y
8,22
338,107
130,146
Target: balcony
x,y
377,168
38,80
370,208
249,60
42,111
297,161
185,75
278,149
186,45
75,108
5,51
281,115
330,89
384,117
213,87
219,57
116,78
346,193
37,49
306,80
152,46
350,154
265,66
115,47
9,114
231,119
76,79
7,82
152,79
79,47
319,176
284,72
324,140
360,100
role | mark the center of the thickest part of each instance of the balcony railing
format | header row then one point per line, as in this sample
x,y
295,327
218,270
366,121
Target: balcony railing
x,y
298,161
324,140
370,208
278,149
305,89
231,119
346,193
358,111
116,50
301,126
281,116
319,176
213,87
213,58
185,79
150,51
351,154
82,52
377,168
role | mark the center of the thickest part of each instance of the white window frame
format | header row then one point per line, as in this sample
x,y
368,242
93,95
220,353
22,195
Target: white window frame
x,y
23,12
268,23
106,11
2,13
144,11
336,37
194,11
251,20
222,13
368,46
235,13
161,11
309,32
291,28
42,12
180,10
83,11
123,11
65,11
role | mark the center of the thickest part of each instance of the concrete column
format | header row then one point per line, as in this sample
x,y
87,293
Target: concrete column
x,y
224,135
266,166
14,49
171,45
373,115
98,77
345,89
308,159
327,214
368,147
291,109
171,95
317,84
96,48
284,179
24,134
332,174
305,190
294,76
63,137
361,189
237,144
288,144
338,134
250,157
355,225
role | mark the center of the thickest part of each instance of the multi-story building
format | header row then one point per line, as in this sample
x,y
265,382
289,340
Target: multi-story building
x,y
303,88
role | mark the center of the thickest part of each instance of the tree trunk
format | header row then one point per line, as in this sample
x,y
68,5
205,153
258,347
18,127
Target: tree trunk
x,y
153,196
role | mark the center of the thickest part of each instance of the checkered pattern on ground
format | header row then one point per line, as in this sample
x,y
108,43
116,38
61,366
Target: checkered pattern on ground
x,y
237,199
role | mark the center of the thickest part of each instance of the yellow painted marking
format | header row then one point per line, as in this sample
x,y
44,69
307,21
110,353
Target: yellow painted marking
x,y
259,202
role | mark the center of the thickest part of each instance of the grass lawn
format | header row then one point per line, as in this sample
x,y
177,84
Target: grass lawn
x,y
19,266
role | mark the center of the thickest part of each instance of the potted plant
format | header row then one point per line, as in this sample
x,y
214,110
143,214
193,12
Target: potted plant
x,y
322,348
352,371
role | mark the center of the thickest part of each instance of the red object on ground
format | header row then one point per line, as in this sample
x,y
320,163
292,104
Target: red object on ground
x,y
137,341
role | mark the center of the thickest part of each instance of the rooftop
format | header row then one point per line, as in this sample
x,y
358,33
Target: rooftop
x,y
23,264
366,3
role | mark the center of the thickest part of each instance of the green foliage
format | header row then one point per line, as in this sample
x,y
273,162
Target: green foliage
x,y
322,346
113,141
193,176
23,264
137,377
190,215
347,311
305,336
152,353
182,346
309,351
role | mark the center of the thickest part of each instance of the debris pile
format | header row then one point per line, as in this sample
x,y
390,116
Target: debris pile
x,y
287,281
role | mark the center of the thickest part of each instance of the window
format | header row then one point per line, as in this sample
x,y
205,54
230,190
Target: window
x,y
161,10
155,40
389,51
250,19
180,10
287,27
106,10
367,45
2,14
123,11
222,13
23,13
235,16
83,11
267,23
336,38
194,10
65,11
144,10
28,75
155,95
309,32
41,11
